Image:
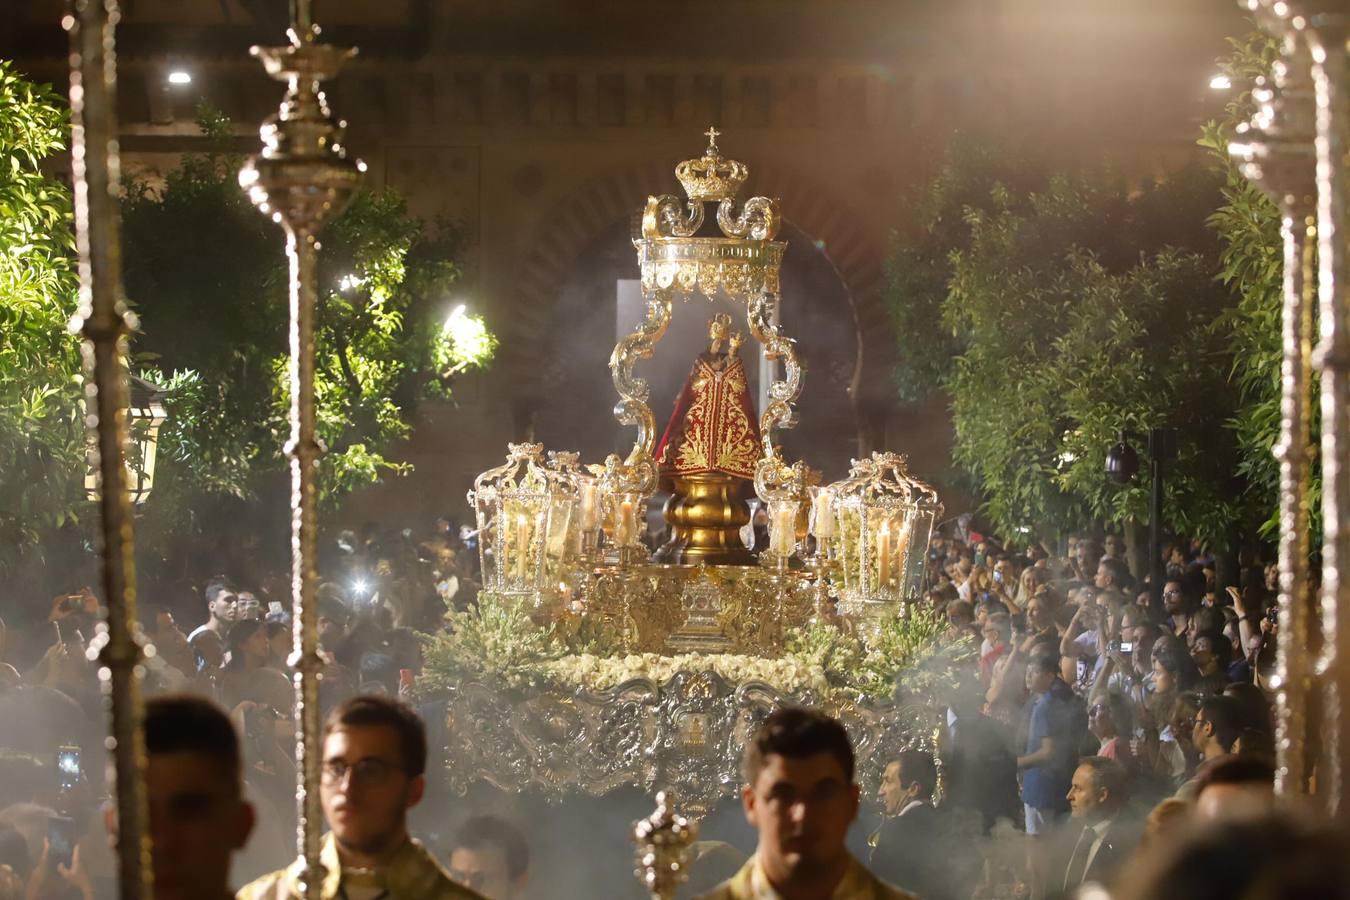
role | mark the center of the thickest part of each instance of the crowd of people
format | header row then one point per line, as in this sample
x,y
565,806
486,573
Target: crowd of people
x,y
1101,702
1108,722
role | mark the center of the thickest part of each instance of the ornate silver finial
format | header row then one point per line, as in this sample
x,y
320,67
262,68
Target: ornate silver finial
x,y
663,840
302,179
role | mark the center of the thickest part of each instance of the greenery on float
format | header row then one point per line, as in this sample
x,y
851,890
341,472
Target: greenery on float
x,y
498,641
1055,309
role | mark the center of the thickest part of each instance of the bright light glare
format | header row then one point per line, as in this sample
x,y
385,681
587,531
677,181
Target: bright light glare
x,y
178,76
469,338
1220,83
360,586
1068,457
350,282
465,342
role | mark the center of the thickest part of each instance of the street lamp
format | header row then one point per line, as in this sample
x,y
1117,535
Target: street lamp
x,y
1122,464
145,414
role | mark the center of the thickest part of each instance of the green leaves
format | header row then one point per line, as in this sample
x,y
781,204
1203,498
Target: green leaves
x,y
208,275
497,640
1075,308
494,637
1248,223
41,438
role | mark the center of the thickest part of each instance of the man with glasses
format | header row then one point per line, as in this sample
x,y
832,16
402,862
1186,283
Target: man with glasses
x,y
374,757
1215,729
1178,606
799,794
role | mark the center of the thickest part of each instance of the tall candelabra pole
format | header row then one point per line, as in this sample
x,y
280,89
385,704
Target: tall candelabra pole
x,y
104,322
1327,31
1275,151
303,179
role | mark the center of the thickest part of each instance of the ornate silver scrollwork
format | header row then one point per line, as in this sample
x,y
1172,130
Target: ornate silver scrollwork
x,y
758,219
686,734
665,217
782,392
632,408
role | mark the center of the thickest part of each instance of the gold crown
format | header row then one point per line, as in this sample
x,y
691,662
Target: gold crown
x,y
712,177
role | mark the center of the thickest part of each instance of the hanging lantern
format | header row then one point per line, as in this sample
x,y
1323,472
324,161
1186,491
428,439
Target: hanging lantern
x,y
145,416
878,521
525,510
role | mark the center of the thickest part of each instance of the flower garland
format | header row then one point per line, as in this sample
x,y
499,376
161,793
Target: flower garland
x,y
600,673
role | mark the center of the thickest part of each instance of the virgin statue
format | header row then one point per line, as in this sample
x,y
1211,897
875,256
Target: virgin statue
x,y
708,453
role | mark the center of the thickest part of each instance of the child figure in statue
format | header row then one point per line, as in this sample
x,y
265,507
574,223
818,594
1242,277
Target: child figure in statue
x,y
708,454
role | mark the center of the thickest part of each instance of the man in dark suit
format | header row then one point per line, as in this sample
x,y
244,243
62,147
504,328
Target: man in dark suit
x,y
906,848
1098,838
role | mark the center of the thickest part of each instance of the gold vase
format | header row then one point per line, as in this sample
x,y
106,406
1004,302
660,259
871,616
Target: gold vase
x,y
707,513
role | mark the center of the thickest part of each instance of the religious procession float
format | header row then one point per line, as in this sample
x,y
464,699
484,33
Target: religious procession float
x,y
590,663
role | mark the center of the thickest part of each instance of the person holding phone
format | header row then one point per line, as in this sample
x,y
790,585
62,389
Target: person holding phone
x,y
59,873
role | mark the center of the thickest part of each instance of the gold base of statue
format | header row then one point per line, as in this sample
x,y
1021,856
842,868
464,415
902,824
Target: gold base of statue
x,y
707,513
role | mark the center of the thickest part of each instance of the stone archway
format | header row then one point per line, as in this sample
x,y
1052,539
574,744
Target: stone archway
x,y
573,227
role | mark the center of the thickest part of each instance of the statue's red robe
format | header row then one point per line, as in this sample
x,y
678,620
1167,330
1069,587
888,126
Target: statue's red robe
x,y
713,427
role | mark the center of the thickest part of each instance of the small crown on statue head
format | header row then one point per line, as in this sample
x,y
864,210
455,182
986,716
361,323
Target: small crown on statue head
x,y
712,177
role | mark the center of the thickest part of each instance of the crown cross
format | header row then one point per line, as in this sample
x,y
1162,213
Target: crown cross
x,y
711,177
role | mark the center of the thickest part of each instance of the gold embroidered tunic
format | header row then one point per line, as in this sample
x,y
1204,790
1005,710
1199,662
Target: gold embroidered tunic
x,y
713,428
750,883
412,874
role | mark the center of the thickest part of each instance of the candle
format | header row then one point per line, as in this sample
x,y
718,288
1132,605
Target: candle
x,y
590,510
522,545
626,525
902,543
883,542
784,537
823,511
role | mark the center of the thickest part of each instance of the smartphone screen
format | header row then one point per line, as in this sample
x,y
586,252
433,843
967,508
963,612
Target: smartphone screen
x,y
60,840
68,766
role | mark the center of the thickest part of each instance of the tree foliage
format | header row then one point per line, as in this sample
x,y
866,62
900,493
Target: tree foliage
x,y
208,276
42,456
920,262
206,273
1252,265
1072,308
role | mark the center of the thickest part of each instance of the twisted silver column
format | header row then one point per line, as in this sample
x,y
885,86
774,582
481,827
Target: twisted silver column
x,y
104,322
1326,26
1275,151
